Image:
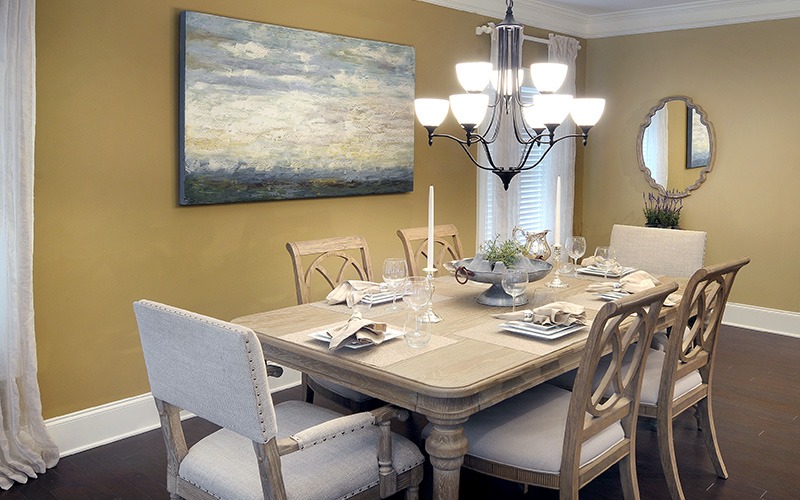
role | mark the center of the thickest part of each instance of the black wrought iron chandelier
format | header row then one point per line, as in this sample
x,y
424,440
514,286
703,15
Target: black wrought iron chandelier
x,y
533,123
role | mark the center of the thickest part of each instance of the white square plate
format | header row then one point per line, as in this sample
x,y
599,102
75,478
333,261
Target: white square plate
x,y
595,271
546,332
612,295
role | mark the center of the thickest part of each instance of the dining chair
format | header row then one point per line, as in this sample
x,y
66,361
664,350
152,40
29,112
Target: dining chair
x,y
670,252
346,257
681,377
447,246
551,437
216,370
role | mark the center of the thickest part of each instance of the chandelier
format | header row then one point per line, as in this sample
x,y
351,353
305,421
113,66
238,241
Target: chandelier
x,y
533,123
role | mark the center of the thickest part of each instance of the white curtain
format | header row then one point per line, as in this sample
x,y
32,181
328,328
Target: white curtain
x,y
564,50
498,209
25,447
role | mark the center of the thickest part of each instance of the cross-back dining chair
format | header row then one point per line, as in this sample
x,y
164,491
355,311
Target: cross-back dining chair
x,y
446,246
331,261
682,377
216,370
554,438
659,251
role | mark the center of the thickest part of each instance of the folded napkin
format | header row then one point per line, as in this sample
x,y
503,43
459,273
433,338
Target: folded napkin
x,y
554,313
356,328
339,294
635,282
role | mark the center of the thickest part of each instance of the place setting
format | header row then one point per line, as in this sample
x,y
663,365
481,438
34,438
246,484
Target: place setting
x,y
548,319
604,264
635,282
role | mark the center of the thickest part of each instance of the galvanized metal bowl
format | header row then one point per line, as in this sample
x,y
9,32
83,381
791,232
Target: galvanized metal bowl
x,y
495,295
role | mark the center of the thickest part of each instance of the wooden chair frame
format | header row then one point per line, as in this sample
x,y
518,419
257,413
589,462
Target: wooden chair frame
x,y
620,325
700,311
346,253
447,246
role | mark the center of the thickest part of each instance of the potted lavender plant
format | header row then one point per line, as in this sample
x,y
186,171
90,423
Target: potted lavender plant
x,y
662,211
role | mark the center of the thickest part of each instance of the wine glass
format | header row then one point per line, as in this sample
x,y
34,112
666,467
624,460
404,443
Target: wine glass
x,y
514,282
417,295
358,303
395,272
576,247
605,258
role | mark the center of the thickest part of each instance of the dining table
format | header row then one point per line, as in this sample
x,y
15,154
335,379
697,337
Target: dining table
x,y
468,365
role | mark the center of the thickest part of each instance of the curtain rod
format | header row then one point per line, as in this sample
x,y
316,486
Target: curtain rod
x,y
489,28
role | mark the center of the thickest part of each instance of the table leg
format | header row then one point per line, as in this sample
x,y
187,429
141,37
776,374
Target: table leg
x,y
446,447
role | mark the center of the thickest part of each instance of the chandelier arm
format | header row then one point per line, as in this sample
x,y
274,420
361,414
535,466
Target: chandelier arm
x,y
465,147
546,151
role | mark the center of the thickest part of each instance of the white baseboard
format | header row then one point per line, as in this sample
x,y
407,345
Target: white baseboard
x,y
92,427
762,319
117,420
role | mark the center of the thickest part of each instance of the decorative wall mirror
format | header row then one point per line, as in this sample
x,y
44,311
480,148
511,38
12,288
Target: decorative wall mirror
x,y
676,146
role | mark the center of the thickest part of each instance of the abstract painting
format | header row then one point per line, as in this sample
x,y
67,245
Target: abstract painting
x,y
275,113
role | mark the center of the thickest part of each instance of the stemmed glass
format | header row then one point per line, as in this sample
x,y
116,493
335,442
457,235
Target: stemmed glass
x,y
358,303
395,272
514,282
576,248
417,295
605,258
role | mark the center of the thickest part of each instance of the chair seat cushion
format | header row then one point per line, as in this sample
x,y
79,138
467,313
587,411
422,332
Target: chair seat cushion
x,y
527,431
652,377
341,390
224,463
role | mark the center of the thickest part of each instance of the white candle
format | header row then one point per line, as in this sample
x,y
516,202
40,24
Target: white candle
x,y
430,228
558,211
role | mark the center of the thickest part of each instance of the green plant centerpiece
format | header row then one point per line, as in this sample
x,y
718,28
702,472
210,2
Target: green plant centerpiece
x,y
508,252
662,211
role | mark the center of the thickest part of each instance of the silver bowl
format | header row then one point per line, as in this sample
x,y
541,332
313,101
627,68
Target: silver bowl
x,y
495,295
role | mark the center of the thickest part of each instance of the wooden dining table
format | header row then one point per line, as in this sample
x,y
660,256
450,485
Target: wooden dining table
x,y
468,365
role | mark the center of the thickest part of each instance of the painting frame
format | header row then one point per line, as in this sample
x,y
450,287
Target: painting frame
x,y
269,112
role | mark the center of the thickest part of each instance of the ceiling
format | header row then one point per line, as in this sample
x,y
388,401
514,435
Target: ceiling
x,y
604,18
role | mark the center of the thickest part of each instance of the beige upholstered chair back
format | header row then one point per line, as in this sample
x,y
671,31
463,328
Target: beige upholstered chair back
x,y
620,326
208,367
332,259
447,246
699,317
670,252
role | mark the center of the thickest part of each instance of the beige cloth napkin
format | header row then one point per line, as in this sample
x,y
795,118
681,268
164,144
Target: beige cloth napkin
x,y
356,328
635,282
339,294
554,313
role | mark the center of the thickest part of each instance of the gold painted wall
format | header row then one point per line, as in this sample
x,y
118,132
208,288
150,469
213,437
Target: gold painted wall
x,y
746,79
108,228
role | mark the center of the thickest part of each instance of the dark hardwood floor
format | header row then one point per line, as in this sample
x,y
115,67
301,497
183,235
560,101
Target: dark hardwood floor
x,y
757,410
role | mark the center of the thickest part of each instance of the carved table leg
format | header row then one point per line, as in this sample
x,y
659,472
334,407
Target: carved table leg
x,y
446,446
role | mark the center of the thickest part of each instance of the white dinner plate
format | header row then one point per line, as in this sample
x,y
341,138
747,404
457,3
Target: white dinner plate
x,y
612,295
390,334
548,332
595,271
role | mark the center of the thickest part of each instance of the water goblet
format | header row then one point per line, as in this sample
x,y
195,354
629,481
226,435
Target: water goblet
x,y
514,281
417,331
358,303
605,258
576,248
395,272
417,293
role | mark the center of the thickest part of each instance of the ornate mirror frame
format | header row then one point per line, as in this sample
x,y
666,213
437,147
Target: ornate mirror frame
x,y
711,145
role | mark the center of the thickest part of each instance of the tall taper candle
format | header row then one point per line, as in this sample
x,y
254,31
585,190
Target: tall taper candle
x,y
558,211
430,228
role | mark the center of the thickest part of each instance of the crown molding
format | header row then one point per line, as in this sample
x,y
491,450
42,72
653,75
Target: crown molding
x,y
699,14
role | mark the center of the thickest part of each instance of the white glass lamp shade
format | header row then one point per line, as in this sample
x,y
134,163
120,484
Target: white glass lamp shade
x,y
474,77
469,109
552,108
587,111
508,84
431,112
533,117
548,77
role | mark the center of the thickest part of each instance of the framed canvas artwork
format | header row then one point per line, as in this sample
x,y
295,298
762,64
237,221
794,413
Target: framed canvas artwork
x,y
275,113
